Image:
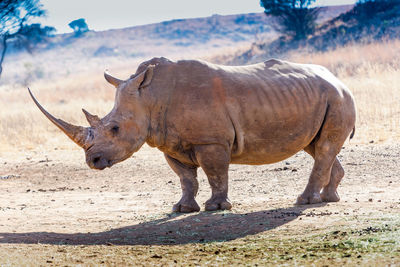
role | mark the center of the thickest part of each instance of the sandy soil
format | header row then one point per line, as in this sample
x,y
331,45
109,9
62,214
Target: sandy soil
x,y
54,209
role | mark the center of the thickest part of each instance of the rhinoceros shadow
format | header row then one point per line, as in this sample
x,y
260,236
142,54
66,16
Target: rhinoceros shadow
x,y
173,229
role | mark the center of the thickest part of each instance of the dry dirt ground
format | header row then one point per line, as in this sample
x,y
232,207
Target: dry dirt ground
x,y
54,210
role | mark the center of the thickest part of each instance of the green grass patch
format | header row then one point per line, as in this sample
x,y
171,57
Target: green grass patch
x,y
373,243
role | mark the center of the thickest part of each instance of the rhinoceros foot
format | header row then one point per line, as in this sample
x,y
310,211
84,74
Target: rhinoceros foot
x,y
330,196
218,204
186,206
312,198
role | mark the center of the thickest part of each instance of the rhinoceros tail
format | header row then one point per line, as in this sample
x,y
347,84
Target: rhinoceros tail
x,y
353,132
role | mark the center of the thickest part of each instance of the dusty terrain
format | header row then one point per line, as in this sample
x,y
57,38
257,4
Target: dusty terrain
x,y
54,210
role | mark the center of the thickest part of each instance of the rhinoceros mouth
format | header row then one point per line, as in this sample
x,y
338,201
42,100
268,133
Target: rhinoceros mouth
x,y
98,163
100,160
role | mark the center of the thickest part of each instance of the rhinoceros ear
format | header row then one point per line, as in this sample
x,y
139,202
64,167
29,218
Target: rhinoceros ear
x,y
144,78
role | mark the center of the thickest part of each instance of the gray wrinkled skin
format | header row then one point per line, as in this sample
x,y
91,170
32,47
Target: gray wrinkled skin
x,y
204,115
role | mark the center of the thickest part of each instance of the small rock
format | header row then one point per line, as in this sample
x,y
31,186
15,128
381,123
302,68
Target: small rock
x,y
155,256
370,200
10,176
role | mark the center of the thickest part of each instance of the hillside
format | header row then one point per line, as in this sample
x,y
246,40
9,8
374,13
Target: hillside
x,y
363,24
67,55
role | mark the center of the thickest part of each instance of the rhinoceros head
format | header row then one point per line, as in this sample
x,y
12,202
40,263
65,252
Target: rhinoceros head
x,y
121,132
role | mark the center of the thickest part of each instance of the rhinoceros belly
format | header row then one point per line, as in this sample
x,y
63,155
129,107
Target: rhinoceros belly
x,y
271,133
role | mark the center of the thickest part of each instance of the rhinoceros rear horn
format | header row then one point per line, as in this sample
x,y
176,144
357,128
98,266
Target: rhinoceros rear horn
x,y
114,81
76,133
92,119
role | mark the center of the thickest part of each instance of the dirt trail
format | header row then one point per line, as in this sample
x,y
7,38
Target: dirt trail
x,y
53,199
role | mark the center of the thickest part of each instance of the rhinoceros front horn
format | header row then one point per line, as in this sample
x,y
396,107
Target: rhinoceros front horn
x,y
76,133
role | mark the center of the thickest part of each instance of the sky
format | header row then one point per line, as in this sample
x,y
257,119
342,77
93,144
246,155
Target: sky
x,y
104,14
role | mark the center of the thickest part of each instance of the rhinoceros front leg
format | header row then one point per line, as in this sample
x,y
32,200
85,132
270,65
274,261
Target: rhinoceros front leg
x,y
214,160
188,177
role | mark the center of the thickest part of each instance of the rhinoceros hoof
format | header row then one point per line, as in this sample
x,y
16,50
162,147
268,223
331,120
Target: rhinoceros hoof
x,y
218,205
304,199
330,196
186,207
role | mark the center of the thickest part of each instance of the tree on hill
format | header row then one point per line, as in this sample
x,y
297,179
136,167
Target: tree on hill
x,y
296,18
79,26
366,11
14,18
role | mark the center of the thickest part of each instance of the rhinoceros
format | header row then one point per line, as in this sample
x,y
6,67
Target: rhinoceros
x,y
205,115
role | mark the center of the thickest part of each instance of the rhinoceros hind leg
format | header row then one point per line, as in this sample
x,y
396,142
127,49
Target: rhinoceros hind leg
x,y
329,193
189,184
327,171
324,154
214,160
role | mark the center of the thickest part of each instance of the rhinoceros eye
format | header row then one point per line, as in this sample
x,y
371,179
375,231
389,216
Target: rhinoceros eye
x,y
90,134
115,129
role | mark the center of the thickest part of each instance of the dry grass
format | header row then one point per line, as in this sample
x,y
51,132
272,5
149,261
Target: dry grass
x,y
371,71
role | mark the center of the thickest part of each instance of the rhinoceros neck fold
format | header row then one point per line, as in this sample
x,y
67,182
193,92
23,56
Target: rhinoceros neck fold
x,y
157,127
